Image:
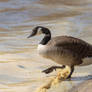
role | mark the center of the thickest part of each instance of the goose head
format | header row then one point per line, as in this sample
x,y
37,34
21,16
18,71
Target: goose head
x,y
39,30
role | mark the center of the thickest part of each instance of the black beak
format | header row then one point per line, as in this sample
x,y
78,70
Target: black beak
x,y
33,33
29,36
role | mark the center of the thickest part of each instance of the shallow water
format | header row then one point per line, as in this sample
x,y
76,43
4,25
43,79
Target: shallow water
x,y
20,65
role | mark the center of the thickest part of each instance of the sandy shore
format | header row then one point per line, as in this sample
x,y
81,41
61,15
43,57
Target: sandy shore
x,y
86,86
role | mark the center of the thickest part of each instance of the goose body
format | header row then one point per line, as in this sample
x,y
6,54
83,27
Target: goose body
x,y
65,50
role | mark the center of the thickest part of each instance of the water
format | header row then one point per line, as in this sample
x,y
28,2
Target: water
x,y
20,65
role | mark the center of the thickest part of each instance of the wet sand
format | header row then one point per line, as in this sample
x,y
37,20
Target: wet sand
x,y
86,86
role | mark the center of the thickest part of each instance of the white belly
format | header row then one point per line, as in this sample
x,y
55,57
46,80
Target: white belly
x,y
42,49
87,61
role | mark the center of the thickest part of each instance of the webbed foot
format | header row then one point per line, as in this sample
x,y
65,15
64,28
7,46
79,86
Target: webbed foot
x,y
49,70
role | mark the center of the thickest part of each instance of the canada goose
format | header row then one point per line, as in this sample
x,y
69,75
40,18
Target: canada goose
x,y
64,50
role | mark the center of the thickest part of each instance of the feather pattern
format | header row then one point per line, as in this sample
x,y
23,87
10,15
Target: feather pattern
x,y
67,50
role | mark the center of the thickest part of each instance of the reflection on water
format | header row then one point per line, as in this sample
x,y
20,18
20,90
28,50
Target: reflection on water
x,y
19,69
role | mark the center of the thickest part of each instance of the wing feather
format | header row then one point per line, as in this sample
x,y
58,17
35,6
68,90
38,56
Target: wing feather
x,y
70,44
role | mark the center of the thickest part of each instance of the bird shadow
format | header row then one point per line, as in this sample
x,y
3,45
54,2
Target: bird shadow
x,y
80,78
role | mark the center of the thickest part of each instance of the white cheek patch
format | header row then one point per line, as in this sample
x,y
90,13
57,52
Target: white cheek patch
x,y
39,31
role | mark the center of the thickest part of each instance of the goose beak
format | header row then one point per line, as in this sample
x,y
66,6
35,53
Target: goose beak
x,y
29,36
32,34
35,32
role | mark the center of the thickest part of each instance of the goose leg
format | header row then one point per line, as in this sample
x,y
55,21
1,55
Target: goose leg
x,y
49,70
72,70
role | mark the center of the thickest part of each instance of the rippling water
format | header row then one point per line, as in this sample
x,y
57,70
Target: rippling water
x,y
20,65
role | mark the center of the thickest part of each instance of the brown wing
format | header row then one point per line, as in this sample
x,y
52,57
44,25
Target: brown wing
x,y
74,45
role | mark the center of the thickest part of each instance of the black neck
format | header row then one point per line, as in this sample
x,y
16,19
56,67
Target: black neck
x,y
46,38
